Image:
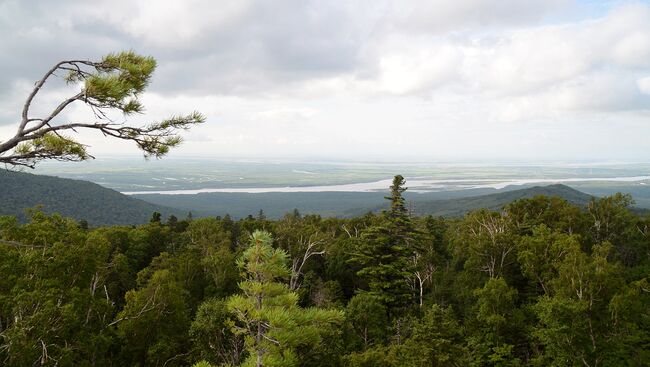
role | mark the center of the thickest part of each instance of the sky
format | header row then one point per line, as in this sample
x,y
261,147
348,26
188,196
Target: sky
x,y
430,80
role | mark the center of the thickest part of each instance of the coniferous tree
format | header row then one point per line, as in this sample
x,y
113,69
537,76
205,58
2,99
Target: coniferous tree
x,y
113,83
385,249
268,313
155,217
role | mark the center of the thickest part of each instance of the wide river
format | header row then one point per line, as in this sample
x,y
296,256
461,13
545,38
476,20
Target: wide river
x,y
414,185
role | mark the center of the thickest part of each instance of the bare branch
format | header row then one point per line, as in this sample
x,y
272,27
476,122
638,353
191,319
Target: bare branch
x,y
296,268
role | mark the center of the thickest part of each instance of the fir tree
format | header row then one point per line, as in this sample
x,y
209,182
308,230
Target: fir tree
x,y
384,251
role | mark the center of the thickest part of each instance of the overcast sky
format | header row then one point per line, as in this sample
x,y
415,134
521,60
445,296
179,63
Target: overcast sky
x,y
436,80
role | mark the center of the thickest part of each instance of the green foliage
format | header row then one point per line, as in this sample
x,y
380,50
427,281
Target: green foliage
x,y
567,287
154,322
384,252
52,308
51,144
202,364
368,318
487,241
436,340
554,212
497,321
212,336
80,200
378,356
119,79
575,322
113,83
541,254
268,311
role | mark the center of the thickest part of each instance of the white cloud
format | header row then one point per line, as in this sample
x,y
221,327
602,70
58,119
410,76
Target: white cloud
x,y
644,84
456,78
419,68
444,15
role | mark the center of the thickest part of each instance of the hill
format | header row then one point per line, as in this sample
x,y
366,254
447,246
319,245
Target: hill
x,y
102,206
350,204
274,204
73,198
460,206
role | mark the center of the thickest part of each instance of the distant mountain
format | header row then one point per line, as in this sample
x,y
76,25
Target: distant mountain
x,y
73,198
102,206
460,206
274,204
350,204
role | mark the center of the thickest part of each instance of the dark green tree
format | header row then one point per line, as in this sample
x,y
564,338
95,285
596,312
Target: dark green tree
x,y
436,340
384,252
172,222
368,319
495,325
155,217
53,307
154,323
212,337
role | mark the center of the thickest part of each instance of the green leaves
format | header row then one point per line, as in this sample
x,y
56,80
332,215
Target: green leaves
x,y
154,322
559,299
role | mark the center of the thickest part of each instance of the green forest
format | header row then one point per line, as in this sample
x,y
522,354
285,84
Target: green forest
x,y
541,282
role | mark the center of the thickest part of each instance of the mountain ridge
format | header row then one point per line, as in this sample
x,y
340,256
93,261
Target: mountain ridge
x,y
77,199
84,200
496,201
350,204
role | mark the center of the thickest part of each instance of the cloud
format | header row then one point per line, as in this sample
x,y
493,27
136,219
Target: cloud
x,y
247,46
290,77
442,16
644,84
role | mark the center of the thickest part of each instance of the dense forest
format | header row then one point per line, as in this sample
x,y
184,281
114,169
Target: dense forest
x,y
541,282
81,200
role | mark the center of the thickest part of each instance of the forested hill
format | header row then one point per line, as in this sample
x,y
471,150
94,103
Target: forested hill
x,y
460,206
351,204
81,200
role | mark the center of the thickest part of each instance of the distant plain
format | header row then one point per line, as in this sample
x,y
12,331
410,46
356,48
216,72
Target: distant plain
x,y
245,186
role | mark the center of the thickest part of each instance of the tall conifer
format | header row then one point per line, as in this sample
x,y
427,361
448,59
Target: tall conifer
x,y
384,250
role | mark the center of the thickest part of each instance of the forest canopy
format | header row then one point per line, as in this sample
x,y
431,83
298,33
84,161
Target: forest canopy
x,y
540,283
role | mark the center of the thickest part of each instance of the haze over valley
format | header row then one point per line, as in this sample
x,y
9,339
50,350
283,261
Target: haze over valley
x,y
243,187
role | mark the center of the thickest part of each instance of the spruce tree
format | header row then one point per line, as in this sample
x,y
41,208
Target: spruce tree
x,y
384,251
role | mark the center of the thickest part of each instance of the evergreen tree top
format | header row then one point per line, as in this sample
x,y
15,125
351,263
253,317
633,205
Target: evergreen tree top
x,y
397,202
